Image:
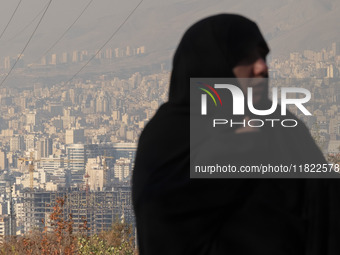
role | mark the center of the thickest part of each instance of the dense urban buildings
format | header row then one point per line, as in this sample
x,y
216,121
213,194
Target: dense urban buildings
x,y
77,140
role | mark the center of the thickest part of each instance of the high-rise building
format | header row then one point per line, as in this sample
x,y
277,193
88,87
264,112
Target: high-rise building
x,y
11,159
30,142
95,173
7,62
53,59
4,227
84,55
333,49
31,118
55,109
10,209
135,80
64,58
53,166
141,50
131,135
125,150
128,51
117,52
102,103
122,131
16,143
122,169
330,71
19,212
74,93
99,54
23,103
76,162
108,53
75,56
43,61
44,147
116,115
73,136
3,160
125,119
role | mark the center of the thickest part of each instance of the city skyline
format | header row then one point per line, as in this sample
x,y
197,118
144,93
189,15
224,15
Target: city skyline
x,y
63,131
288,26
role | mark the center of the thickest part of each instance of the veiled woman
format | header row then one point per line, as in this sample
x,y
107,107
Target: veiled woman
x,y
178,215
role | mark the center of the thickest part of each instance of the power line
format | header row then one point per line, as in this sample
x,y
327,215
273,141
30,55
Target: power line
x,y
35,29
107,41
30,23
68,29
10,19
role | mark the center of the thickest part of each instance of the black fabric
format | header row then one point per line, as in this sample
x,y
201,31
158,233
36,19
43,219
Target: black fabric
x,y
210,48
179,215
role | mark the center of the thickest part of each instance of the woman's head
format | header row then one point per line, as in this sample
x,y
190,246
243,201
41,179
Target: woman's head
x,y
214,47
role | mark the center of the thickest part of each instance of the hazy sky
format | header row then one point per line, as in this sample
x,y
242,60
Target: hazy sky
x,y
159,24
59,16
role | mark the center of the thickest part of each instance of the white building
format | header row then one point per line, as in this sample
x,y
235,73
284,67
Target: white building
x,y
4,227
122,169
96,174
